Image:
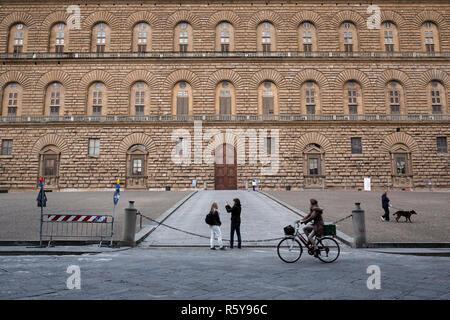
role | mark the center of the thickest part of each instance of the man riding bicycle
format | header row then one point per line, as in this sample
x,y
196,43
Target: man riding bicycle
x,y
315,215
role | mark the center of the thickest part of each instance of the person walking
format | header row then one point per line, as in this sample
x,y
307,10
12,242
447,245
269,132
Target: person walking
x,y
385,204
213,220
235,221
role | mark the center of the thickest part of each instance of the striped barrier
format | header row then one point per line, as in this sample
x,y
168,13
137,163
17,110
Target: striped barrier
x,y
77,227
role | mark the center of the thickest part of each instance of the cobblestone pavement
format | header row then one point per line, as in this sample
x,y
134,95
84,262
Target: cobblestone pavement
x,y
262,218
431,224
199,273
19,215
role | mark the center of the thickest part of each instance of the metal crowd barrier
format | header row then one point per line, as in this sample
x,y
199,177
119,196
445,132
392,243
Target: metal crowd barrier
x,y
71,227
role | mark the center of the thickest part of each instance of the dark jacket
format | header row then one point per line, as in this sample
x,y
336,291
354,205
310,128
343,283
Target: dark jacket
x,y
216,219
41,199
315,215
235,212
385,201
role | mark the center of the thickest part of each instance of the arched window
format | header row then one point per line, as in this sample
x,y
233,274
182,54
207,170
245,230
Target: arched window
x,y
437,98
353,97
395,98
182,99
59,37
310,98
348,37
313,166
183,37
225,98
267,41
49,162
308,38
101,34
54,99
18,37
224,37
141,37
139,99
389,37
267,98
430,37
12,100
97,99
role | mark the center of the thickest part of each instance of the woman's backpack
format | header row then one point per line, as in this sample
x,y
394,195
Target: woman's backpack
x,y
209,219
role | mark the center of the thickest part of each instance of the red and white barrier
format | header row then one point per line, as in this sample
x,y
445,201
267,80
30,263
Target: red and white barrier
x,y
73,218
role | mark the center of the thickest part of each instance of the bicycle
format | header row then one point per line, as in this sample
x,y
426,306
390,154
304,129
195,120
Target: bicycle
x,y
290,249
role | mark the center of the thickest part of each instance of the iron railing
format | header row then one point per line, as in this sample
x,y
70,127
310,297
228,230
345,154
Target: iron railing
x,y
218,54
226,118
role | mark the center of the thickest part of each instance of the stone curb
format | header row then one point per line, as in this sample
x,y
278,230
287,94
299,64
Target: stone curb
x,y
33,251
347,240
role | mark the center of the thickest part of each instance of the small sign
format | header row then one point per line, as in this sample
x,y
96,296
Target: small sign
x,y
194,183
366,184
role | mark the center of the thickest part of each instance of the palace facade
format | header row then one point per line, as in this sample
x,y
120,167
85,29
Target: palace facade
x,y
337,91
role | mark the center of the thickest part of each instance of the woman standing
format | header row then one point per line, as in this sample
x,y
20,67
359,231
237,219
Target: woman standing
x,y
235,221
214,226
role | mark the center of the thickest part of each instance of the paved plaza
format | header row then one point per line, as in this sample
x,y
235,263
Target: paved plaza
x,y
431,224
199,273
19,214
261,219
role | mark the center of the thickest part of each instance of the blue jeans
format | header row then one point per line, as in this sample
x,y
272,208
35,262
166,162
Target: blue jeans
x,y
235,226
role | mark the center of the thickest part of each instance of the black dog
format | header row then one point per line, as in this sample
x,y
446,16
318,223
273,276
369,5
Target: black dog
x,y
406,214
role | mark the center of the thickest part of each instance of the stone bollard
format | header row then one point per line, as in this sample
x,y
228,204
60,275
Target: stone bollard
x,y
129,226
359,226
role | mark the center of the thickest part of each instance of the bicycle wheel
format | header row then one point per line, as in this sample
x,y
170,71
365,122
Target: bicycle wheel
x,y
328,249
289,249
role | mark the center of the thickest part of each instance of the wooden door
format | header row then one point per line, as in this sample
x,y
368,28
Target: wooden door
x,y
225,170
50,170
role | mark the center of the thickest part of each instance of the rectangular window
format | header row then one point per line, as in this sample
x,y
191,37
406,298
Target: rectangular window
x,y
183,48
225,47
268,145
100,49
314,165
142,48
356,145
12,111
94,147
307,47
139,110
54,111
96,111
400,164
442,146
7,147
179,147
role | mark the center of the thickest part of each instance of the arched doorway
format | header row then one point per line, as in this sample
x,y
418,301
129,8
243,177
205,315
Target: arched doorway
x,y
225,167
136,177
49,158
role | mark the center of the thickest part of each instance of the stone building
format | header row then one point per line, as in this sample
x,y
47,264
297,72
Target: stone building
x,y
336,91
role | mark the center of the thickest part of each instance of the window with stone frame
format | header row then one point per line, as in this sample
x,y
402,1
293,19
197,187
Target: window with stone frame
x,y
12,99
225,98
269,145
94,147
437,99
59,37
314,157
348,37
389,36
356,145
139,99
97,99
267,98
395,97
442,146
54,99
430,37
7,145
353,97
141,37
224,37
183,37
18,37
310,98
182,98
266,37
101,34
308,37
401,160
179,146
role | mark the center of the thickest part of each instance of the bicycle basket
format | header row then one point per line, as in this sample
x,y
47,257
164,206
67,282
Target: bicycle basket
x,y
289,230
329,230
